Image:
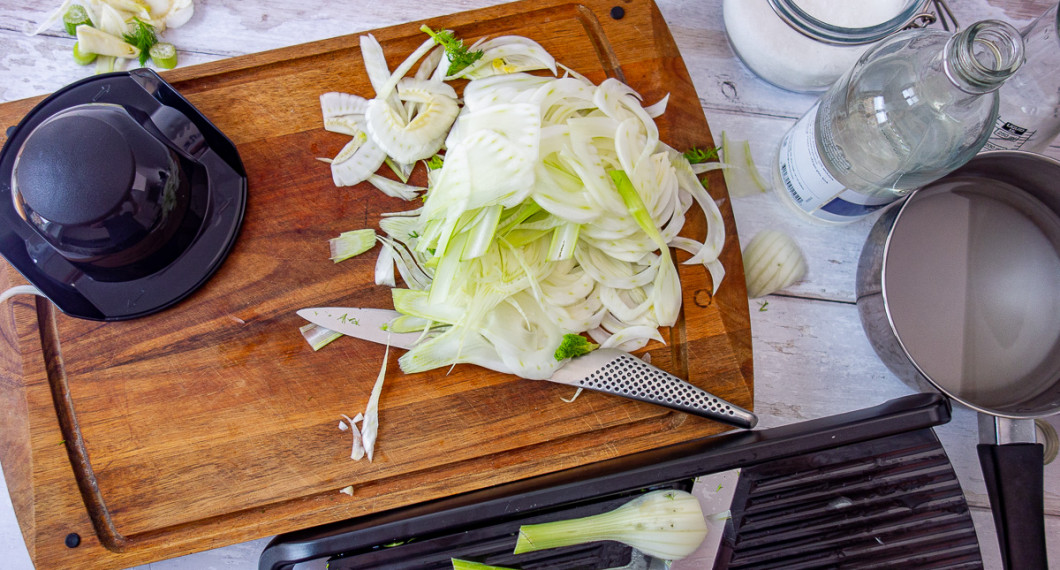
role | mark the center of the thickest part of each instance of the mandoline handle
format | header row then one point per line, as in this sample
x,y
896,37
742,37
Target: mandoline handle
x,y
1014,482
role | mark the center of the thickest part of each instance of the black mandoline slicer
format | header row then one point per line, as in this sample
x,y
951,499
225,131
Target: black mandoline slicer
x,y
871,488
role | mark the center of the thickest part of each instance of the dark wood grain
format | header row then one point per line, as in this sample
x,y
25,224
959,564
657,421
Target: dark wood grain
x,y
213,422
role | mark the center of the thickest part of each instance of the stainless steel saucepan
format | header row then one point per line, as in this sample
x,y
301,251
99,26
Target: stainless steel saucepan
x,y
959,291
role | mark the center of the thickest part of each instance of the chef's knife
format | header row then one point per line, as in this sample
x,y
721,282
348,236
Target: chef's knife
x,y
604,370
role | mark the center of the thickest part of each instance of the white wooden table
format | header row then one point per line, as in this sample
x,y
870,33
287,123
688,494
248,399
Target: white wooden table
x,y
811,356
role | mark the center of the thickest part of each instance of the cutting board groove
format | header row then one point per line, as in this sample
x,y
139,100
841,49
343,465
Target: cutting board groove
x,y
72,438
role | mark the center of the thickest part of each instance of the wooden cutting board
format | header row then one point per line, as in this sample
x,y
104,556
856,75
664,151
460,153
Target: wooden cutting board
x,y
213,422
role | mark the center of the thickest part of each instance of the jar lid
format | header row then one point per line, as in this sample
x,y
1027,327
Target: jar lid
x,y
810,26
84,155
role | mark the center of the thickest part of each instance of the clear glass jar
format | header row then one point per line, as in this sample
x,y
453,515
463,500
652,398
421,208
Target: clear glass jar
x,y
805,45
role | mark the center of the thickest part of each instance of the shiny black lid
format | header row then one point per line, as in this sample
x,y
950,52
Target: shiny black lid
x,y
118,198
86,157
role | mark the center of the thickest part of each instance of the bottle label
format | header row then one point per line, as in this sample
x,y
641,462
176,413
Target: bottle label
x,y
810,185
1008,136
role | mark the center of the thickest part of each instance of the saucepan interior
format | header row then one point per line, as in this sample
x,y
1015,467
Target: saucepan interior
x,y
960,286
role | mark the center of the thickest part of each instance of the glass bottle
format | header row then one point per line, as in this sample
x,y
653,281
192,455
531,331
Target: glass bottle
x,y
1029,115
914,108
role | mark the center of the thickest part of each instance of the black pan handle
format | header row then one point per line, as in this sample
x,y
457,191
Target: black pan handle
x,y
1014,476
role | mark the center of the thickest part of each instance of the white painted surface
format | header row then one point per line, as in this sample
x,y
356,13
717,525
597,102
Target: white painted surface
x,y
811,356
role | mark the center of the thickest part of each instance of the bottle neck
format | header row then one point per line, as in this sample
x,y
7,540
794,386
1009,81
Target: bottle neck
x,y
980,58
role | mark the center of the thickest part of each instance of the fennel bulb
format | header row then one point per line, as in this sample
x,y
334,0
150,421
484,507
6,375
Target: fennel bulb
x,y
667,524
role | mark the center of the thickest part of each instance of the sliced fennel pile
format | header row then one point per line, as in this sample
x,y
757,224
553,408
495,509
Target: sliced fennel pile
x,y
553,211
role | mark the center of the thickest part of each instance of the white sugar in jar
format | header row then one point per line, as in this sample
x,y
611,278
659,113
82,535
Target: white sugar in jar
x,y
805,45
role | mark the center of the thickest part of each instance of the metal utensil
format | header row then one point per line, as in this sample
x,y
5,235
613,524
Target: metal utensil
x,y
603,370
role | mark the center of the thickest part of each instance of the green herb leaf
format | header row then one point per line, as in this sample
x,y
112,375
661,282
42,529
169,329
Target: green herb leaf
x,y
459,56
143,37
574,345
697,155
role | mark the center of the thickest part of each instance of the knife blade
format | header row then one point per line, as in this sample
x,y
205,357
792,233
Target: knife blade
x,y
604,370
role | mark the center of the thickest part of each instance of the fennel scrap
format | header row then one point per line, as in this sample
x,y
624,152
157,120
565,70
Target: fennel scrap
x,y
112,32
772,261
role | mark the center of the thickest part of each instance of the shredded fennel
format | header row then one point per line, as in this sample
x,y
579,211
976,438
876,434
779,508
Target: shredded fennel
x,y
357,451
318,337
370,427
351,244
365,436
741,175
20,290
550,208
